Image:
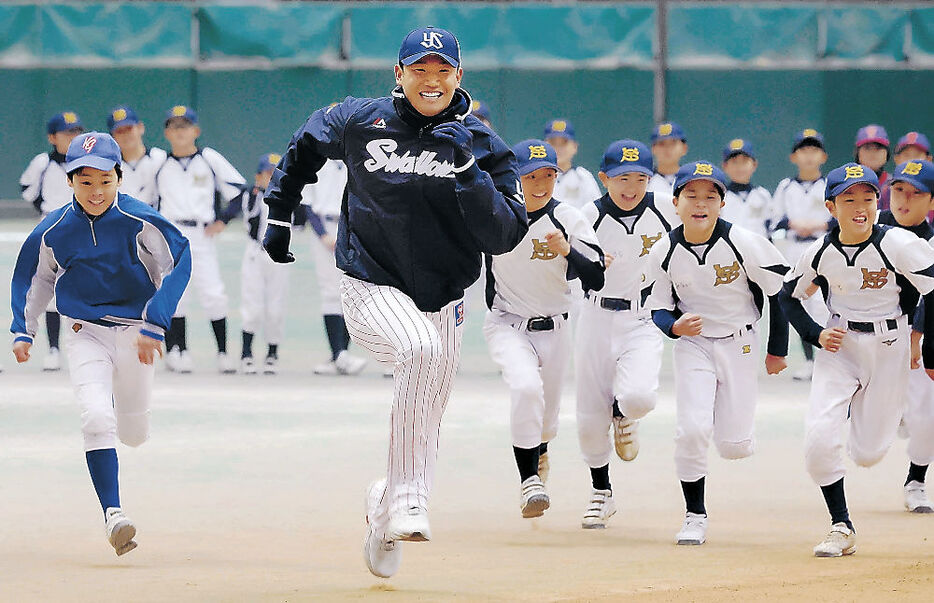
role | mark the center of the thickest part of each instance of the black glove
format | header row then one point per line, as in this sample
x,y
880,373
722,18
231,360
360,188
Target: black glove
x,y
459,137
276,243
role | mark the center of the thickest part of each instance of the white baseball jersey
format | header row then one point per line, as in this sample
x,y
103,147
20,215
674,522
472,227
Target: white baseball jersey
x,y
45,183
531,280
577,186
325,195
795,199
139,176
662,186
192,188
748,206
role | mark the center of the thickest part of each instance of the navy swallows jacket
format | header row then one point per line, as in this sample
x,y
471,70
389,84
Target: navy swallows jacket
x,y
407,220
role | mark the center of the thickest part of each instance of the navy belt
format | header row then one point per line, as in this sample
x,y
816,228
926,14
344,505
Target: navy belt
x,y
193,223
545,323
617,304
870,327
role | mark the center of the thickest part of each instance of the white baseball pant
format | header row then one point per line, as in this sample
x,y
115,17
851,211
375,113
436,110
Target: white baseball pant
x,y
112,386
867,381
329,275
264,288
919,418
716,388
533,365
617,356
425,349
205,275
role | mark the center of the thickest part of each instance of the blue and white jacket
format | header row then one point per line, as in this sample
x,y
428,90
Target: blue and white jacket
x,y
407,220
128,266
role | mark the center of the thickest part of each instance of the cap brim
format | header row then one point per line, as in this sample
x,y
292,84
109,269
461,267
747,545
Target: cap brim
x,y
904,146
845,186
559,135
883,141
810,141
720,185
731,154
622,168
418,56
530,167
912,181
668,137
124,122
92,161
78,127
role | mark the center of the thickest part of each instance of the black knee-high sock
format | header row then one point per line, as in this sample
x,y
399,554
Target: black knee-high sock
x,y
916,473
808,350
835,497
246,349
694,496
526,461
53,326
600,477
179,337
337,333
542,448
220,334
273,351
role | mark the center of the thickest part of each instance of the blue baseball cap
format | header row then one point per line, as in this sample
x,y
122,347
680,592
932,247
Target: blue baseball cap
x,y
480,110
847,175
808,137
268,162
700,170
121,116
738,146
182,111
872,133
534,154
559,128
92,149
916,139
424,41
919,174
666,130
626,156
66,120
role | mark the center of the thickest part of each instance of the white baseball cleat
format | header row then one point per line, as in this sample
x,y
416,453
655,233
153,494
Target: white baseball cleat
x,y
599,511
626,437
271,365
839,542
224,365
410,525
544,467
534,499
120,530
247,366
348,364
177,361
693,531
382,556
326,368
805,372
52,360
916,499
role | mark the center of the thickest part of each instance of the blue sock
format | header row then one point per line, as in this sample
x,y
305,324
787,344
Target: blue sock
x,y
102,465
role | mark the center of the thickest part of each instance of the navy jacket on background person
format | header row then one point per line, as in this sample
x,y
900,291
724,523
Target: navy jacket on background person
x,y
407,221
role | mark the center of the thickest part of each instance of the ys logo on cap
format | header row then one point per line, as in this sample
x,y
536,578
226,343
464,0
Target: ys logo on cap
x,y
537,151
913,168
630,154
432,39
854,171
88,144
703,169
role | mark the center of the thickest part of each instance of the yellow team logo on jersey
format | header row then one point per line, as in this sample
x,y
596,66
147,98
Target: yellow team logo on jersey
x,y
726,274
854,171
747,349
647,242
703,169
119,115
537,151
874,279
69,117
736,144
559,125
630,154
809,133
664,129
179,110
200,180
540,251
913,168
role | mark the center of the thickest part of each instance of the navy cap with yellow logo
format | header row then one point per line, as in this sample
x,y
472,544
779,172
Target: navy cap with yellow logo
x,y
808,137
666,130
626,156
918,173
534,154
67,120
182,111
848,175
424,41
700,170
121,116
738,146
268,162
559,128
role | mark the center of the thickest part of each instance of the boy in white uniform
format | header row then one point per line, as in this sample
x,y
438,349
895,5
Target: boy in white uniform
x,y
139,161
529,300
710,284
576,186
195,189
866,274
669,146
745,204
618,352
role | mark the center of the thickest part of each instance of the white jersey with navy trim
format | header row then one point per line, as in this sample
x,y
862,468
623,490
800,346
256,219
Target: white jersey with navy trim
x,y
749,207
531,280
577,187
628,236
189,188
326,195
45,183
138,176
866,282
794,200
724,281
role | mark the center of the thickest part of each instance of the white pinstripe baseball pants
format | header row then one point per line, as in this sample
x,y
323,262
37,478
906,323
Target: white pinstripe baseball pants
x,y
425,348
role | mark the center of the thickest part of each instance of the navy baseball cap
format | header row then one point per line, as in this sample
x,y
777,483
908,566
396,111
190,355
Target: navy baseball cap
x,y
919,174
559,128
67,120
916,139
738,146
848,175
700,170
666,130
92,149
626,156
424,41
480,110
121,116
872,133
808,137
534,154
268,162
182,111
